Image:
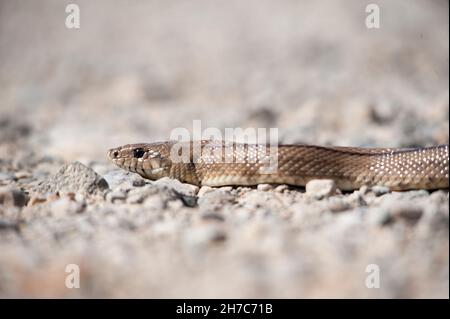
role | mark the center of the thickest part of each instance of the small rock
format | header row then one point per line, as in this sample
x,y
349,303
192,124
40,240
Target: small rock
x,y
380,190
135,199
115,195
226,189
79,197
22,174
337,205
406,211
320,188
9,225
138,182
215,200
73,178
65,206
382,113
264,187
13,197
156,202
281,188
363,190
377,216
205,234
203,190
189,201
414,194
179,187
434,220
166,229
35,200
6,176
357,199
118,177
211,216
439,197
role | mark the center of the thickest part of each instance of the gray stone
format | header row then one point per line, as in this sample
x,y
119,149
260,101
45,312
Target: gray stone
x,y
6,176
281,188
9,225
212,216
320,188
181,188
203,190
204,234
406,211
264,187
337,205
215,200
380,190
73,178
10,196
116,195
138,182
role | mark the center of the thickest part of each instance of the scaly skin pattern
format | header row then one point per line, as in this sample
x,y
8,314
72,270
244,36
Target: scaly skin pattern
x,y
217,163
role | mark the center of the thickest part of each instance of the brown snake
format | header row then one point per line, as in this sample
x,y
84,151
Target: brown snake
x,y
349,167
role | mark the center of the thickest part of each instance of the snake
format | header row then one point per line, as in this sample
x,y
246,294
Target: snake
x,y
223,163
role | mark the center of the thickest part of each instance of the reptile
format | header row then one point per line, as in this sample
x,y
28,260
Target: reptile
x,y
220,163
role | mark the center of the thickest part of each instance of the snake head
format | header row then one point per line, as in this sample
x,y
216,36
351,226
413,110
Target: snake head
x,y
151,161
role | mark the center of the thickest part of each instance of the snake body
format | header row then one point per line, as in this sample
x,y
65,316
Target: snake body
x,y
218,163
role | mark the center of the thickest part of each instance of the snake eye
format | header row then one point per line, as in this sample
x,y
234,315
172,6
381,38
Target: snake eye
x,y
116,153
138,152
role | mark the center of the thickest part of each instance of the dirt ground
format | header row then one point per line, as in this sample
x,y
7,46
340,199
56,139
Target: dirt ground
x,y
136,70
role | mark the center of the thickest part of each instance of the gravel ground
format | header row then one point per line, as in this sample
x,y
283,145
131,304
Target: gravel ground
x,y
136,70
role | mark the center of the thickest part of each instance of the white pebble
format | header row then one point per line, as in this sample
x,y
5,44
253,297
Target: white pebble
x,y
320,188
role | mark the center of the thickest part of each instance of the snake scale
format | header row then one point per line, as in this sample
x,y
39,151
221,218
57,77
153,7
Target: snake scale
x,y
218,163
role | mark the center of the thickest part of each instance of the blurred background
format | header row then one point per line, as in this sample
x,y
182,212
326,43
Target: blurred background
x,y
137,69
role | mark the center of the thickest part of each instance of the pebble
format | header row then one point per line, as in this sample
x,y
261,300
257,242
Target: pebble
x,y
337,205
179,187
65,205
6,176
115,195
380,190
35,200
9,225
117,177
135,199
320,188
215,200
204,234
189,201
357,199
363,190
212,216
10,196
138,182
226,189
281,188
406,211
73,178
204,190
22,174
264,187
